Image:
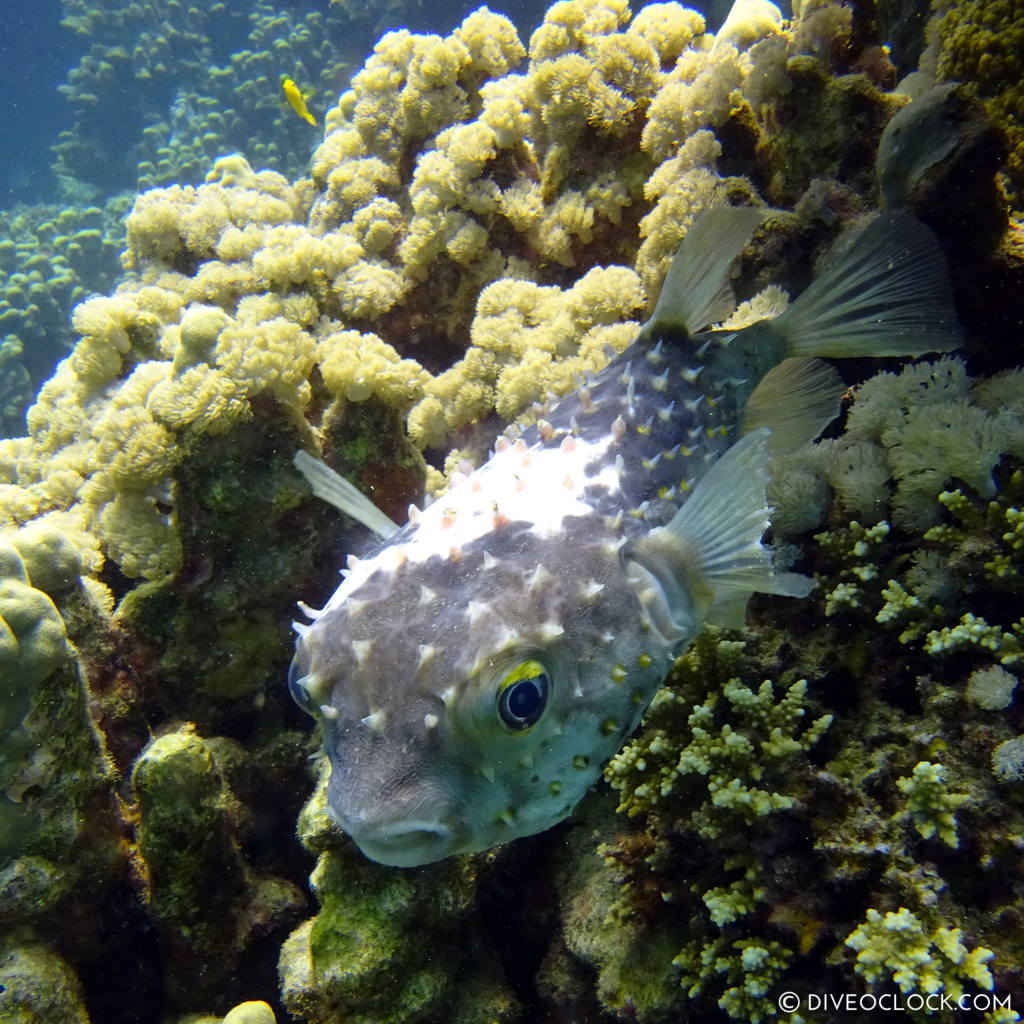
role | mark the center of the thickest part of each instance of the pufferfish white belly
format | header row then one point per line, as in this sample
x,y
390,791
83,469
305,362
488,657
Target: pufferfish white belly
x,y
475,671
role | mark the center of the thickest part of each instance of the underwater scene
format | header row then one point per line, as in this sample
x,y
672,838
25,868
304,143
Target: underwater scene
x,y
512,514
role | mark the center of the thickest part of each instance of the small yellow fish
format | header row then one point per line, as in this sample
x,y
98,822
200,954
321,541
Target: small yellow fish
x,y
293,94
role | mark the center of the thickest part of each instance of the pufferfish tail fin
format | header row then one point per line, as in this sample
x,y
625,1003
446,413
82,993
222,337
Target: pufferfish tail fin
x,y
885,293
696,291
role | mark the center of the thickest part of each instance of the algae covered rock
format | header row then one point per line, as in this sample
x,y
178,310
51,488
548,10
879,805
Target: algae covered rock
x,y
206,898
32,634
390,947
37,986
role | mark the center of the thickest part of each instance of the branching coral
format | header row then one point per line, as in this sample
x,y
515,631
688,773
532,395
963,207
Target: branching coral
x,y
896,946
735,744
747,968
930,805
702,775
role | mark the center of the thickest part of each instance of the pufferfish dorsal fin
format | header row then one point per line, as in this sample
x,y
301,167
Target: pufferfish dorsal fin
x,y
696,291
337,491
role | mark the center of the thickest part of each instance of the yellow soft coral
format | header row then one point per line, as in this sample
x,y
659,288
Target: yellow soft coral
x,y
668,27
680,187
267,353
530,339
571,24
199,397
453,182
139,537
103,325
355,366
491,41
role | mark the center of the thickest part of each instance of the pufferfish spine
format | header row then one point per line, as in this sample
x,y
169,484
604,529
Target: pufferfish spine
x,y
474,672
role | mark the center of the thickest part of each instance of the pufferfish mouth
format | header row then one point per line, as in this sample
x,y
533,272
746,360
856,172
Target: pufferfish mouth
x,y
406,844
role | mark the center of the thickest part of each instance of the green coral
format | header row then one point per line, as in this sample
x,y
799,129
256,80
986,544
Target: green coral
x,y
730,745
896,946
930,805
979,542
729,903
853,547
747,968
972,631
714,757
990,534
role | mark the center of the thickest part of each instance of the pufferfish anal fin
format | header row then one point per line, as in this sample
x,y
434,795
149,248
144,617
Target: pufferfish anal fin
x,y
337,491
696,291
709,558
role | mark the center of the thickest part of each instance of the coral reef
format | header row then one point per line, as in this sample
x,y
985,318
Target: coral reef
x,y
898,945
981,43
829,799
190,84
361,957
51,257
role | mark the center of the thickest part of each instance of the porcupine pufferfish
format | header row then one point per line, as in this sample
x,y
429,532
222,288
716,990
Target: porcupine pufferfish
x,y
473,674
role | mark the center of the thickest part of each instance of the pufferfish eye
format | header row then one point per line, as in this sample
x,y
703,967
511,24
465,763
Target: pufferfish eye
x,y
523,695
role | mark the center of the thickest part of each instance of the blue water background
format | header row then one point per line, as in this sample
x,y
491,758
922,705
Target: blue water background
x,y
36,54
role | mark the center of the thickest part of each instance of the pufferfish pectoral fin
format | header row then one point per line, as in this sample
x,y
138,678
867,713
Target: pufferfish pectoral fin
x,y
796,401
710,558
344,496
